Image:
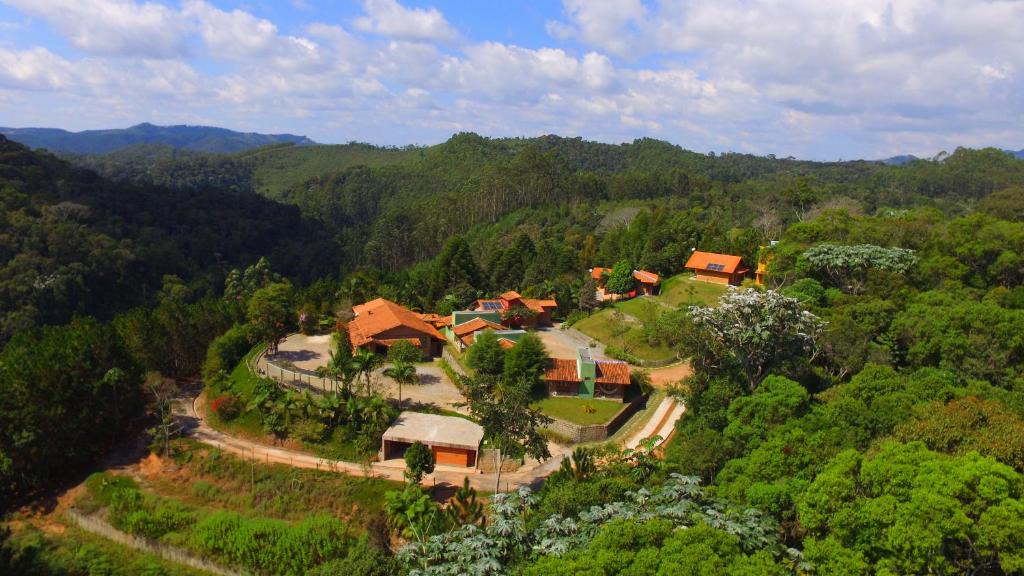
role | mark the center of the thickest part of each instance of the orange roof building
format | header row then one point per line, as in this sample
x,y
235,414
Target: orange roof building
x,y
647,283
380,323
717,268
541,309
587,377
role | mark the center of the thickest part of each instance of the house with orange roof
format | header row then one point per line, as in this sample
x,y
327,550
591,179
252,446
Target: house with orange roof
x,y
586,377
646,283
380,324
510,306
717,268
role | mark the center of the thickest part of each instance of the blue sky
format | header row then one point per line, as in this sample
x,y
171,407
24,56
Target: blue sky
x,y
812,79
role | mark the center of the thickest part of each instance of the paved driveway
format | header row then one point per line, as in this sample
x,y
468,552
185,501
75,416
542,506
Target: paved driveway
x,y
563,343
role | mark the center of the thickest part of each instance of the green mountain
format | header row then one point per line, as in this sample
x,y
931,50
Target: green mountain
x,y
200,138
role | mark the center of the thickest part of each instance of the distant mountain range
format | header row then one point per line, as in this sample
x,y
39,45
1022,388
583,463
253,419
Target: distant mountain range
x,y
199,138
904,158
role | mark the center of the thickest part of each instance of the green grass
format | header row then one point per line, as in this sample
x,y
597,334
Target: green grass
x,y
576,410
279,168
603,328
682,290
641,307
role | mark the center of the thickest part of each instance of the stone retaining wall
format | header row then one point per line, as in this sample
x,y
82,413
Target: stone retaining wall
x,y
485,462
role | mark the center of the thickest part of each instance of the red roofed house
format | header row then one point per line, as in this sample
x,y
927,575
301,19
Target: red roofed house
x,y
587,377
541,309
381,323
646,283
717,268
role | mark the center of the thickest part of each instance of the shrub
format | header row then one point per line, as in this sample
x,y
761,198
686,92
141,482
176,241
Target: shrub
x,y
228,349
574,317
309,431
227,406
419,460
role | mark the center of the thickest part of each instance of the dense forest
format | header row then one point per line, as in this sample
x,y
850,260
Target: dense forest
x,y
862,414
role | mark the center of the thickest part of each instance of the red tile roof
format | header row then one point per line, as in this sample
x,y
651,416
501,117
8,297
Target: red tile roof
x,y
474,325
378,316
597,272
506,343
612,372
646,277
702,261
510,295
539,305
608,371
561,370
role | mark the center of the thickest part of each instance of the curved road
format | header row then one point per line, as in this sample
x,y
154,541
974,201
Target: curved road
x,y
531,474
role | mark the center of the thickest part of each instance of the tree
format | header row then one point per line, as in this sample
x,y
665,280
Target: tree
x,y
848,266
363,364
620,280
464,508
526,362
760,330
241,286
907,510
270,313
486,355
455,267
588,295
401,372
162,392
404,351
509,424
419,460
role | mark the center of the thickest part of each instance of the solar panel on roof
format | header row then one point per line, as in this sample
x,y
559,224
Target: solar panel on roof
x,y
492,305
716,267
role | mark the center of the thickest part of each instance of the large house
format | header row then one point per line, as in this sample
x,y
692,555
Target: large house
x,y
717,268
463,335
380,324
508,305
646,283
586,377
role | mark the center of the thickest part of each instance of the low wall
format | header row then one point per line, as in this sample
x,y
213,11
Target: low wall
x,y
485,462
577,433
171,553
448,357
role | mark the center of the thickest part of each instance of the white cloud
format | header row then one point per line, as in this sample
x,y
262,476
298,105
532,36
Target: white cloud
x,y
389,18
113,27
607,24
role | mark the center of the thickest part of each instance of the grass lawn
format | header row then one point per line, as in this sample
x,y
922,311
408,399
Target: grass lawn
x,y
682,289
584,411
642,306
603,328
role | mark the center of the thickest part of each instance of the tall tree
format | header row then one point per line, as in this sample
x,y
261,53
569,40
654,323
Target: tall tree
x,y
525,362
401,372
455,268
270,313
509,423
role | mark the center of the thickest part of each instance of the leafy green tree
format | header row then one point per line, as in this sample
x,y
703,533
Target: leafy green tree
x,y
413,513
526,362
510,425
620,279
761,331
270,313
419,460
364,363
906,509
404,351
486,355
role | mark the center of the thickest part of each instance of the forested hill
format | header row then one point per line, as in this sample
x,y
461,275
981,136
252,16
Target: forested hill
x,y
200,138
72,242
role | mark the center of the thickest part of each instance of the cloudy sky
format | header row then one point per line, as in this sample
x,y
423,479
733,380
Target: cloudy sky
x,y
821,79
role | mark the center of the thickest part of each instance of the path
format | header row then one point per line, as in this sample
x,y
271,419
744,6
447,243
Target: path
x,y
189,410
563,343
662,423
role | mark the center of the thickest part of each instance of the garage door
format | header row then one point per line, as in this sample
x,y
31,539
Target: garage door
x,y
453,456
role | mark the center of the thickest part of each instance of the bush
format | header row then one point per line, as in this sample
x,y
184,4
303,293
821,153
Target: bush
x,y
309,431
620,354
574,317
228,349
419,460
227,407
164,518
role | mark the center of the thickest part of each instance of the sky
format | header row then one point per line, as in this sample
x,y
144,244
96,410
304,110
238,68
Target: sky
x,y
815,79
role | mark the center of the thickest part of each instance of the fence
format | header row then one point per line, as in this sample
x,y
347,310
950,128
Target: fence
x,y
452,361
171,553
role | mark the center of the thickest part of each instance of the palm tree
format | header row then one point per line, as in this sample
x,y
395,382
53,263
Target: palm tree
x,y
365,362
401,372
375,413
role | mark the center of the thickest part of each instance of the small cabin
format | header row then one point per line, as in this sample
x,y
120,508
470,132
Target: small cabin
x,y
717,268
